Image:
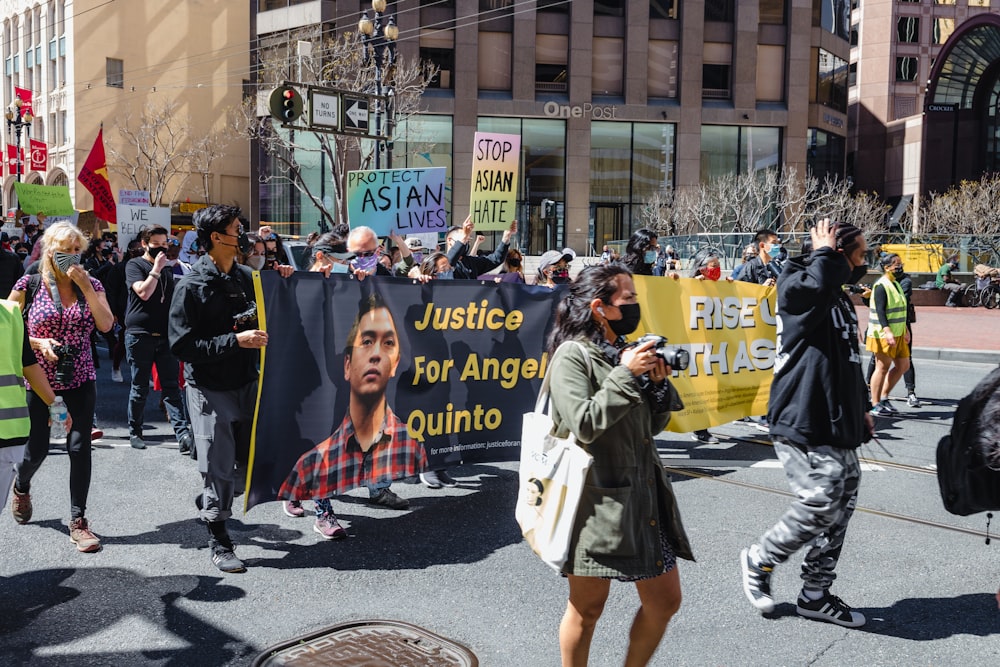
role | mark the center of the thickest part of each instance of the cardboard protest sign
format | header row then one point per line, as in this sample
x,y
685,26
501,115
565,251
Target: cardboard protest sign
x,y
134,219
496,160
404,200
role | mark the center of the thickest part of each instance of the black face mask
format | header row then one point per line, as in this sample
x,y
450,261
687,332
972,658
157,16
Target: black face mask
x,y
243,242
514,263
22,255
629,321
154,252
898,272
857,273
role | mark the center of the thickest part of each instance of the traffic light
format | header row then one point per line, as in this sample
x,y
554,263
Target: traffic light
x,y
285,104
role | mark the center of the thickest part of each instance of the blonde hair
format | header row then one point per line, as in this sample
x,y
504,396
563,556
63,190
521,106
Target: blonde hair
x,y
56,236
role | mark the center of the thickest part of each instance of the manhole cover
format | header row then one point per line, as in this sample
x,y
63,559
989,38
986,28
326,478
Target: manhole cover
x,y
368,644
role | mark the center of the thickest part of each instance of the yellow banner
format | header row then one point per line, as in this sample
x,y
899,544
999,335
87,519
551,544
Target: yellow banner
x,y
729,331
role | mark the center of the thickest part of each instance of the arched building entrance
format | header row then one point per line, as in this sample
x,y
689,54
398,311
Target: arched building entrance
x,y
961,129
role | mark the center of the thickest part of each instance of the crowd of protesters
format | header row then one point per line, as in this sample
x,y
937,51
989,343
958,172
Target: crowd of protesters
x,y
170,310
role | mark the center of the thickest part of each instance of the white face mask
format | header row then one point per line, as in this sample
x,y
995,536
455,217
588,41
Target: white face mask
x,y
171,262
256,262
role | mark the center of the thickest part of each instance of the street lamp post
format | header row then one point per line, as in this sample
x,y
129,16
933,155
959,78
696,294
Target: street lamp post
x,y
17,120
378,39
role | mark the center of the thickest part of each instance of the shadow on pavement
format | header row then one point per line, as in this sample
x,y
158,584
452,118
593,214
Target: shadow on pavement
x,y
923,619
57,617
435,531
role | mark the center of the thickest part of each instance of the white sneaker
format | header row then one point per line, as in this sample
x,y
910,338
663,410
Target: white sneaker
x,y
116,375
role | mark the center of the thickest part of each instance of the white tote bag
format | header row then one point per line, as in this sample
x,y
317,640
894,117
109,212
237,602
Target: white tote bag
x,y
551,476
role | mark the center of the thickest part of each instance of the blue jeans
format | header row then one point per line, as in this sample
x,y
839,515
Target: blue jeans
x,y
143,351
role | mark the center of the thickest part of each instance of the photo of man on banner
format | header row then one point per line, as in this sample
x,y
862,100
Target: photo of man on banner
x,y
371,444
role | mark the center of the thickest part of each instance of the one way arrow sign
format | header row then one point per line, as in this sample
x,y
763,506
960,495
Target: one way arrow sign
x,y
356,114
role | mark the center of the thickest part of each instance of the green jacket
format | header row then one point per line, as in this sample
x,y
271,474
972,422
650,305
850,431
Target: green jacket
x,y
627,494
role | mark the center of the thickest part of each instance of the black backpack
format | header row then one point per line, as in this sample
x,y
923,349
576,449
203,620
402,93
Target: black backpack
x,y
968,458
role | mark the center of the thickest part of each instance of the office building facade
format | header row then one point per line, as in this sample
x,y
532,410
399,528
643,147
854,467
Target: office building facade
x,y
614,101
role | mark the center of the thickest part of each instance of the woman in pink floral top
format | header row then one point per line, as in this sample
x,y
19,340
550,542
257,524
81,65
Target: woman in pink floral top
x,y
67,305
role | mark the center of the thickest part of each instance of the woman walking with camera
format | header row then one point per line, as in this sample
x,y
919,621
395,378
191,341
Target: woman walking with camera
x,y
64,305
615,398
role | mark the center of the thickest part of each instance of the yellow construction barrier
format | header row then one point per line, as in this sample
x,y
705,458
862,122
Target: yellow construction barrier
x,y
918,257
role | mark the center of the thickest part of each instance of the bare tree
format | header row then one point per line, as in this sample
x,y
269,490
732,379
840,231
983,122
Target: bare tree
x,y
202,155
771,198
969,209
336,63
152,151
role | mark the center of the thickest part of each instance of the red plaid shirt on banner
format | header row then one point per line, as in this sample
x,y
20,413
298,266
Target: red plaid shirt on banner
x,y
338,464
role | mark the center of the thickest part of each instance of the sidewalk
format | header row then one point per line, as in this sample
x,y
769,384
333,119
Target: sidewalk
x,y
953,334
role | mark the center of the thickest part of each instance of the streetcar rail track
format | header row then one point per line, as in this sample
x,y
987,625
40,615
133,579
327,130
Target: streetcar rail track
x,y
867,510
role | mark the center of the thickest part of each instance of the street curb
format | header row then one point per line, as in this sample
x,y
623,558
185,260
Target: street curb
x,y
953,354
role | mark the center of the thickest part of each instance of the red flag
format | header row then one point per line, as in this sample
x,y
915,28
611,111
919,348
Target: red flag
x,y
94,177
12,162
25,96
39,155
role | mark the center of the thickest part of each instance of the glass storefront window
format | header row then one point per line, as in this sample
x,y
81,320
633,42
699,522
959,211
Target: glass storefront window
x,y
543,176
760,148
734,149
629,163
426,141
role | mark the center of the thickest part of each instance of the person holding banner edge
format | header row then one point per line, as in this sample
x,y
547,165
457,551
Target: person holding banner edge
x,y
627,527
212,328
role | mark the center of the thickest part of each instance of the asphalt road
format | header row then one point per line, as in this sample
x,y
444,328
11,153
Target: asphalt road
x,y
455,564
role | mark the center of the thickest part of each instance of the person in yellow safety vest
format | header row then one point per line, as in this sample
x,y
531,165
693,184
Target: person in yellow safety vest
x,y
888,338
17,361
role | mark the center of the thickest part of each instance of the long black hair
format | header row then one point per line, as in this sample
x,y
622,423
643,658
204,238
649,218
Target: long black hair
x,y
574,319
641,241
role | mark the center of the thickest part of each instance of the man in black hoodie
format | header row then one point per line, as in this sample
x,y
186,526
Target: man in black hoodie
x,y
212,327
818,416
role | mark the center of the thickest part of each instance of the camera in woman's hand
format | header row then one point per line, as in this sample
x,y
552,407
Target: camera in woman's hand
x,y
676,357
67,363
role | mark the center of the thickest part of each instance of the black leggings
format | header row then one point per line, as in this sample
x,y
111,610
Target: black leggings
x,y
80,402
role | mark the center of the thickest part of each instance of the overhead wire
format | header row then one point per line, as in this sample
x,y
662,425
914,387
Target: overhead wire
x,y
224,80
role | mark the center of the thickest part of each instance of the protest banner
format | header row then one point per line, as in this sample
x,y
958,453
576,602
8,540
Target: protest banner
x,y
729,332
52,200
496,160
133,219
465,363
469,362
402,200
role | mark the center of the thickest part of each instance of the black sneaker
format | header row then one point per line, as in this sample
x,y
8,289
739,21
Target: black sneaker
x,y
705,437
184,444
446,479
223,556
831,609
386,498
757,583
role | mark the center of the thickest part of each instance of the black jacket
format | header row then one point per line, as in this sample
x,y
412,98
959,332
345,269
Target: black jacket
x,y
818,395
470,267
11,271
755,271
202,326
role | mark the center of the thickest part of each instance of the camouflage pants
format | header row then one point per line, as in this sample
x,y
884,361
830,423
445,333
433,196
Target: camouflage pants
x,y
825,483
